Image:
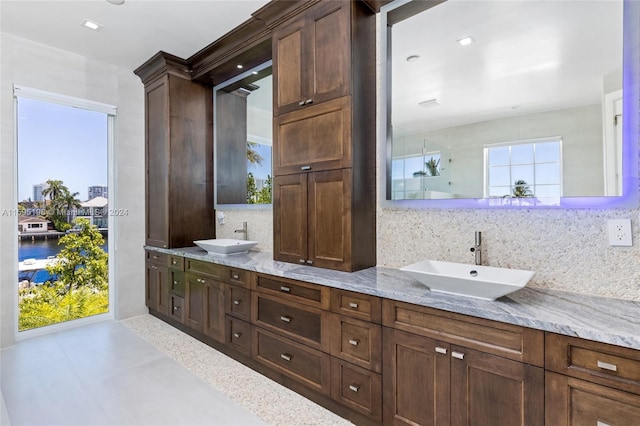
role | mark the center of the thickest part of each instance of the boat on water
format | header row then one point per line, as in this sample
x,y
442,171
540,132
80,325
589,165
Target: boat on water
x,y
33,271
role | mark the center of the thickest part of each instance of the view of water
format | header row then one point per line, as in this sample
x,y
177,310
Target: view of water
x,y
41,249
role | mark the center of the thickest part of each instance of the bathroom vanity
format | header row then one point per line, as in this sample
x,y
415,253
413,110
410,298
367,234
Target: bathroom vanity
x,y
377,347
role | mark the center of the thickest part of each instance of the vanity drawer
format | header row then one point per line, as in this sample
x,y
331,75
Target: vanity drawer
x,y
505,340
300,292
356,341
156,258
298,322
176,262
211,270
601,363
305,365
361,306
176,282
357,388
238,335
239,277
176,308
238,302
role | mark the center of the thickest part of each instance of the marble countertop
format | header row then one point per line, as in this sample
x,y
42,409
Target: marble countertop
x,y
595,318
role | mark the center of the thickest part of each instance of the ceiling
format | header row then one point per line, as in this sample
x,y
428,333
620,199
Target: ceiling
x,y
132,32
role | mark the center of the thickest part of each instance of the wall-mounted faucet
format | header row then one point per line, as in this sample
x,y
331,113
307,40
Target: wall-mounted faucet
x,y
477,249
242,231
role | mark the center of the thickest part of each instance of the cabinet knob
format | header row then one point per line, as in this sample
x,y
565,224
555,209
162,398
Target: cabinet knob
x,y
308,101
286,357
354,342
354,388
175,283
457,355
175,308
607,366
285,289
236,302
285,318
353,305
237,335
441,350
174,262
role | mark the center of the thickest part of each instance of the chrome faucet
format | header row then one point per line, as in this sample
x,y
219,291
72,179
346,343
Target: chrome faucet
x,y
477,249
242,231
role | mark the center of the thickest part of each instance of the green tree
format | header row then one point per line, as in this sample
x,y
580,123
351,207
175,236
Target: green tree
x,y
54,189
62,204
264,195
521,189
251,189
68,203
82,263
252,155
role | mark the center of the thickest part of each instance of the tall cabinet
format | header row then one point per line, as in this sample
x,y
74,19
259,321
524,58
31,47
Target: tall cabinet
x,y
179,154
324,137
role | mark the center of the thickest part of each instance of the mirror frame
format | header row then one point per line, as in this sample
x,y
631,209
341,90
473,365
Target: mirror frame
x,y
218,206
401,9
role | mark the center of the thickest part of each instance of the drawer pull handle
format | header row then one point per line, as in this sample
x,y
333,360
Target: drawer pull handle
x,y
305,168
236,276
286,357
285,289
237,335
301,102
154,267
309,262
457,355
354,388
155,257
285,318
174,262
353,305
175,283
354,342
441,350
175,308
607,366
599,423
308,101
301,260
236,302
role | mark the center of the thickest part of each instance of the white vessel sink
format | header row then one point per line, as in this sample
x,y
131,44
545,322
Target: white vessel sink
x,y
481,282
225,245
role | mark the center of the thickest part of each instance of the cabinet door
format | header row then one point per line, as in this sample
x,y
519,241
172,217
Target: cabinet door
x,y
313,139
156,287
491,390
157,163
328,60
415,380
290,218
574,402
330,219
287,67
194,298
214,321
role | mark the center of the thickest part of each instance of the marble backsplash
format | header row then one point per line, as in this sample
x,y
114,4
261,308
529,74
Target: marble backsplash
x,y
568,249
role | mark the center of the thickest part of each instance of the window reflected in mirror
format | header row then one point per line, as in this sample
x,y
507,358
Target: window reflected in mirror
x,y
243,138
505,99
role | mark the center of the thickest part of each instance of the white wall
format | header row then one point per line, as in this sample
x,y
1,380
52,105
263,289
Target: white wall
x,y
41,67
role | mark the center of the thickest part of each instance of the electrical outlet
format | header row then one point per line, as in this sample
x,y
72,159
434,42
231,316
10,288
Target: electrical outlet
x,y
620,232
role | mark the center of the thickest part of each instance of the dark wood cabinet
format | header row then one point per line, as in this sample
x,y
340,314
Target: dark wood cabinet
x,y
157,287
591,383
312,56
214,312
324,125
194,297
313,220
205,298
179,154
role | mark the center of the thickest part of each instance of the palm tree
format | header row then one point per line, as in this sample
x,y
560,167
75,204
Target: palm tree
x,y
55,189
69,202
252,154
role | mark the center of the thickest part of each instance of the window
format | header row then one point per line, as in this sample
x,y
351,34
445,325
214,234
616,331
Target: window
x,y
531,168
408,173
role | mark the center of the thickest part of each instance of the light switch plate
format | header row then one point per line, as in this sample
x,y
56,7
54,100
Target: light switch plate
x,y
620,232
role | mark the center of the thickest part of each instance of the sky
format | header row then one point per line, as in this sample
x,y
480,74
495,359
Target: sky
x,y
60,143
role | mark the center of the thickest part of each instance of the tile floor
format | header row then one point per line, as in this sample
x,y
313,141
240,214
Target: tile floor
x,y
140,371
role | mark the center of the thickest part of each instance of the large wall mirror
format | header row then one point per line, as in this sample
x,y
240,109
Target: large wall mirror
x,y
510,103
243,111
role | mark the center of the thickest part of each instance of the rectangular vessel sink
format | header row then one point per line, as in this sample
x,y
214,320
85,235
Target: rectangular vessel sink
x,y
225,245
480,282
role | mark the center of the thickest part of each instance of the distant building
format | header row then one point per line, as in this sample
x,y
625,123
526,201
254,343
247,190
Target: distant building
x,y
96,210
97,191
37,191
32,224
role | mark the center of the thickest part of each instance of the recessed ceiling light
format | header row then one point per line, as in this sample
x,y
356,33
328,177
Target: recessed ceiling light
x,y
413,58
116,2
429,103
91,25
465,41
239,66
